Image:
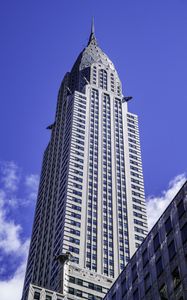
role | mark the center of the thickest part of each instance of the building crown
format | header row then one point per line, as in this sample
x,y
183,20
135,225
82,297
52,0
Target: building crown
x,y
92,56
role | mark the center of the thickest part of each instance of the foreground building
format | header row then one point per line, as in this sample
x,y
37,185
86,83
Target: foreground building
x,y
158,269
90,215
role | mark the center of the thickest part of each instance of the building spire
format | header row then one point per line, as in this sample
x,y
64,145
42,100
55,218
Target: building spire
x,y
93,27
92,34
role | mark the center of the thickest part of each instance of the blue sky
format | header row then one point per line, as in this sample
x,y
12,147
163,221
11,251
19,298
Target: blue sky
x,y
39,42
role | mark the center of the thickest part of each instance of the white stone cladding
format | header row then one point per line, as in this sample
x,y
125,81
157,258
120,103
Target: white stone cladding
x,y
39,293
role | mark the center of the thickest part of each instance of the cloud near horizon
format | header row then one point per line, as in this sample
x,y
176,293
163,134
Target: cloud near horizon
x,y
157,204
13,243
12,287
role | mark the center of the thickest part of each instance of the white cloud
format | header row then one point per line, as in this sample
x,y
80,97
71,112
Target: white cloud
x,y
11,240
157,204
10,175
12,288
11,179
9,231
11,244
31,182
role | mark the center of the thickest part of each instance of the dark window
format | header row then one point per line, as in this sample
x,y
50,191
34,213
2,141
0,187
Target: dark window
x,y
71,291
136,295
92,297
73,240
98,288
79,281
163,293
171,250
147,282
36,296
176,278
145,258
156,242
134,273
168,226
91,285
181,209
184,233
79,293
159,266
74,231
114,297
73,249
124,287
71,279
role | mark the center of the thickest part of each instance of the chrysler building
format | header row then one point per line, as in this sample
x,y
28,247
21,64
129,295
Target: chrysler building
x,y
90,213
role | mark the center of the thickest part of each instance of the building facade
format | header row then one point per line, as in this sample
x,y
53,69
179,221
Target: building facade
x,y
90,214
158,269
39,293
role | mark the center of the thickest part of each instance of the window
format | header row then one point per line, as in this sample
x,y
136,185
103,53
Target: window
x,y
36,296
73,249
176,278
71,279
163,292
48,297
92,297
184,233
156,242
138,215
71,291
79,293
139,238
103,79
136,295
74,231
159,267
171,250
145,258
114,297
139,222
74,223
91,285
73,240
180,209
75,215
168,226
79,281
124,287
147,282
98,288
134,273
137,229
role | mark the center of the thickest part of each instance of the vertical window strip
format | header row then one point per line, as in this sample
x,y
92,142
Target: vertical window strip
x,y
121,196
103,79
108,263
91,257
